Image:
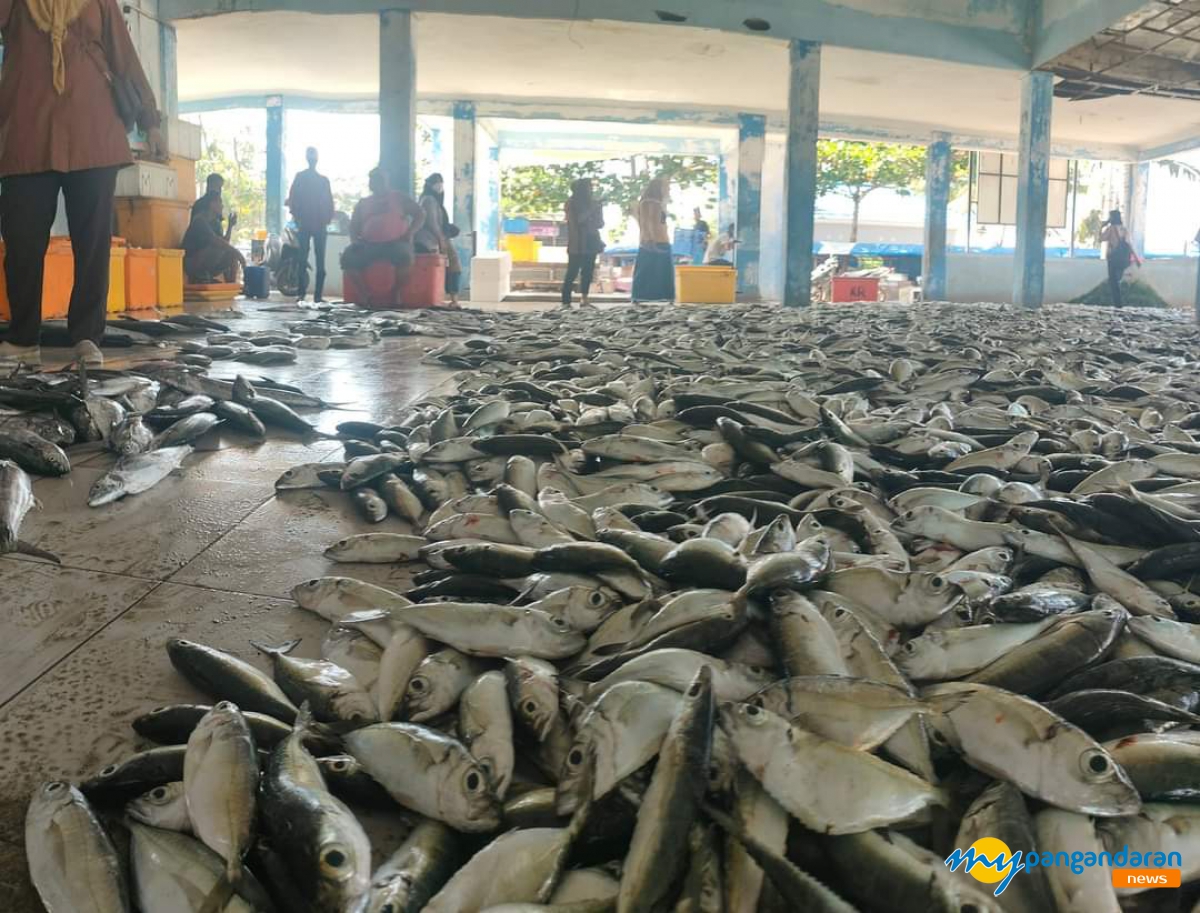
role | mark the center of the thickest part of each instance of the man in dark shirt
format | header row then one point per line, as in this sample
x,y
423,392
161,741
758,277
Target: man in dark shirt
x,y
214,185
311,203
208,257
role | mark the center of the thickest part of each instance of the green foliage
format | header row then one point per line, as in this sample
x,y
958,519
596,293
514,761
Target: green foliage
x,y
1089,229
236,158
541,191
854,170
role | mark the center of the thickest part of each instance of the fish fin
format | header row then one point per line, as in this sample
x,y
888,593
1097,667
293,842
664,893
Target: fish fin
x,y
220,895
282,650
305,722
25,548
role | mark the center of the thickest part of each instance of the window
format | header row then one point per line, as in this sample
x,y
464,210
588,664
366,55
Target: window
x,y
996,190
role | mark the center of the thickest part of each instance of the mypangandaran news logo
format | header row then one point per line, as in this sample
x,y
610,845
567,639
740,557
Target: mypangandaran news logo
x,y
990,861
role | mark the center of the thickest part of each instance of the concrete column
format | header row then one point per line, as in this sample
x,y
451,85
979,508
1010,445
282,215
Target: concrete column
x,y
752,138
464,184
800,170
1138,193
487,188
398,98
275,173
726,193
939,171
169,70
1033,189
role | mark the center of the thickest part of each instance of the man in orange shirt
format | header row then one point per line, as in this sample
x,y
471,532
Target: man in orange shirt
x,y
311,203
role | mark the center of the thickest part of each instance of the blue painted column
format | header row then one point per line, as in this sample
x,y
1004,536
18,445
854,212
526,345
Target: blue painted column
x,y
939,169
752,139
168,70
1138,195
726,194
275,175
464,184
1033,189
398,98
800,170
487,188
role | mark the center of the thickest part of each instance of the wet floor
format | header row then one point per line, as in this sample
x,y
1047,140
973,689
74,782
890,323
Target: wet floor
x,y
210,554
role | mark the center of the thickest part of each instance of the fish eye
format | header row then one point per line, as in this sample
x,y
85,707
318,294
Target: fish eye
x,y
340,765
575,758
910,515
693,689
596,598
753,710
780,594
937,583
1095,764
334,859
473,781
417,684
109,770
909,648
530,707
160,793
55,786
226,705
839,613
561,625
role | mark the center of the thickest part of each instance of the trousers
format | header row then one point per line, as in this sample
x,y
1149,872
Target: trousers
x,y
28,204
1116,270
317,239
583,266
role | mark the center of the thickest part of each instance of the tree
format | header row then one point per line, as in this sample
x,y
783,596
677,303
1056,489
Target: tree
x,y
541,191
236,159
854,170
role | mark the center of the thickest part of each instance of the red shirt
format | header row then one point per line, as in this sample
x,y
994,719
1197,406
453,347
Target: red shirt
x,y
41,130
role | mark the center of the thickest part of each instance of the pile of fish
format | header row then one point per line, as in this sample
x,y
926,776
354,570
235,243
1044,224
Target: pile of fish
x,y
712,610
339,328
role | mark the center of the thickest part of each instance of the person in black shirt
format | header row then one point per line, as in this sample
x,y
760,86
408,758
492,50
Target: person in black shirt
x,y
213,186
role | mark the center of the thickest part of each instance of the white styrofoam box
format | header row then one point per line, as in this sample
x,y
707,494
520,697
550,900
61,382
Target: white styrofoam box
x,y
148,179
491,276
183,138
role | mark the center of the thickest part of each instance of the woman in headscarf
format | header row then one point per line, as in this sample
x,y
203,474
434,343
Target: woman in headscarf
x,y
584,221
70,89
438,232
654,271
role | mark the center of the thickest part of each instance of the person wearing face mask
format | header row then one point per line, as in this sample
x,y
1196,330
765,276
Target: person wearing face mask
x,y
438,232
71,89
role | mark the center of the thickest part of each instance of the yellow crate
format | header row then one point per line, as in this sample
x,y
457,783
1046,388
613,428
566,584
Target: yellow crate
x,y
170,277
524,248
116,281
705,284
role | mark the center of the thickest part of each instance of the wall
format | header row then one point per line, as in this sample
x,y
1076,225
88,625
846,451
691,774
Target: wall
x,y
985,277
772,219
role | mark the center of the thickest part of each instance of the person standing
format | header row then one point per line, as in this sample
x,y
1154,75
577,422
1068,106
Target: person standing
x,y
1118,253
703,235
438,233
311,203
585,218
654,270
66,63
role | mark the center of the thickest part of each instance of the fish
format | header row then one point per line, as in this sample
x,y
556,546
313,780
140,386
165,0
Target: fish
x,y
72,862
429,773
319,839
164,807
220,785
33,453
136,474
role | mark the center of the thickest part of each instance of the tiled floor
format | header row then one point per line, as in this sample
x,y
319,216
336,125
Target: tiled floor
x,y
210,554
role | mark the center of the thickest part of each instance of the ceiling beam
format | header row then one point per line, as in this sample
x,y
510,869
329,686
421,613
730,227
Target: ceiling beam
x,y
985,34
1060,25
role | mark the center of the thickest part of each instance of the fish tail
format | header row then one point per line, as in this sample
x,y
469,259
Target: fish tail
x,y
25,548
282,650
221,893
